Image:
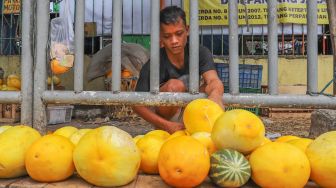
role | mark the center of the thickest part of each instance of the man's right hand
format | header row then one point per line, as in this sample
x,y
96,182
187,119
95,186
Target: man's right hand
x,y
174,126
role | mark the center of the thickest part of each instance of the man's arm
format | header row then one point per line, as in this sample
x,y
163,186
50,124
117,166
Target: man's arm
x,y
157,120
214,87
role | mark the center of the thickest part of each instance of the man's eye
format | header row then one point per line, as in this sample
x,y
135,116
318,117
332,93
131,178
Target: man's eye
x,y
165,36
179,33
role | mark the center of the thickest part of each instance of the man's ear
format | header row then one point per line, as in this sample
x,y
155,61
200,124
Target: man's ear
x,y
187,29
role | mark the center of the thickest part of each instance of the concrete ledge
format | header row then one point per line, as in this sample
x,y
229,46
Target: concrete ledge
x,y
322,121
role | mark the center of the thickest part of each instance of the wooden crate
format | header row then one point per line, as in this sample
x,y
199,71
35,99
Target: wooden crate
x,y
9,113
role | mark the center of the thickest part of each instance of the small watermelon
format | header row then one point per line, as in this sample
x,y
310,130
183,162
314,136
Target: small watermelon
x,y
229,168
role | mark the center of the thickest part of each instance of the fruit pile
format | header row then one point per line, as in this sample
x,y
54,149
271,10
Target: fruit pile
x,y
11,83
228,147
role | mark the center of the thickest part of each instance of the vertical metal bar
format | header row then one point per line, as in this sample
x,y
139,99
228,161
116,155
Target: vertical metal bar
x,y
293,40
101,38
40,69
242,40
194,48
303,41
282,40
252,40
79,46
27,62
234,48
272,47
331,6
212,39
202,35
116,45
323,40
263,40
222,41
155,47
312,46
1,33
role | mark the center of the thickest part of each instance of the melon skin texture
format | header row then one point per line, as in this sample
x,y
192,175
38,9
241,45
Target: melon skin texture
x,y
107,156
200,115
14,143
279,165
322,156
238,129
229,168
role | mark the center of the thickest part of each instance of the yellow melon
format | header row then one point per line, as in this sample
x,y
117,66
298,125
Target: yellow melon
x,y
238,129
200,115
4,128
177,133
55,79
183,162
66,131
49,159
160,133
286,138
75,137
322,154
9,88
266,140
14,145
137,138
279,165
149,147
14,81
301,143
107,156
205,139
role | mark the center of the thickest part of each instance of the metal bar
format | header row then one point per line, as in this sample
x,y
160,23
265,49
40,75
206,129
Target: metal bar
x,y
282,40
194,48
155,47
40,73
303,41
181,99
234,48
27,62
312,73
272,47
79,46
331,6
293,40
323,40
116,45
10,97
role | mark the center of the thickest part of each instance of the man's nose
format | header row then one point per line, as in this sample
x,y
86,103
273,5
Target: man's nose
x,y
174,39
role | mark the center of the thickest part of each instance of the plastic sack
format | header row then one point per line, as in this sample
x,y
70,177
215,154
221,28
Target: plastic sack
x,y
61,41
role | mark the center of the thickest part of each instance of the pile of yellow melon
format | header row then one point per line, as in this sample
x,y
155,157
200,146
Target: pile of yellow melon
x,y
106,156
212,141
11,83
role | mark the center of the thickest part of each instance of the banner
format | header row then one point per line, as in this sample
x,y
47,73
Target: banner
x,y
254,12
11,6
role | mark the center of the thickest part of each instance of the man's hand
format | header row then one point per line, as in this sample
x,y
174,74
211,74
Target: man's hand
x,y
217,99
174,126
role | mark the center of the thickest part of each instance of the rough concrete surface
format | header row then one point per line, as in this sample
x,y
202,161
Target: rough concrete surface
x,y
322,121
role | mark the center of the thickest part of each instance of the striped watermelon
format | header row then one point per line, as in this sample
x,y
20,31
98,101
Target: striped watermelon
x,y
229,168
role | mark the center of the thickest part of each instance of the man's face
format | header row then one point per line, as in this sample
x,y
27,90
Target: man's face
x,y
174,36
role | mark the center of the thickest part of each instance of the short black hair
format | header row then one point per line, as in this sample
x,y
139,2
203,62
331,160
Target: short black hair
x,y
171,15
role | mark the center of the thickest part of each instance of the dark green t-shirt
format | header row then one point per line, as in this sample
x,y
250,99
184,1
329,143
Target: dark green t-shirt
x,y
169,71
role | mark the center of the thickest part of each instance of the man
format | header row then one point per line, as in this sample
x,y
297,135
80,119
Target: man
x,y
174,70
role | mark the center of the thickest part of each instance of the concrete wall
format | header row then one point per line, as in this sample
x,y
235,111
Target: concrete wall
x,y
292,72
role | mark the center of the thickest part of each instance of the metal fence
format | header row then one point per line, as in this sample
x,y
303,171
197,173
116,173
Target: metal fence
x,y
34,95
